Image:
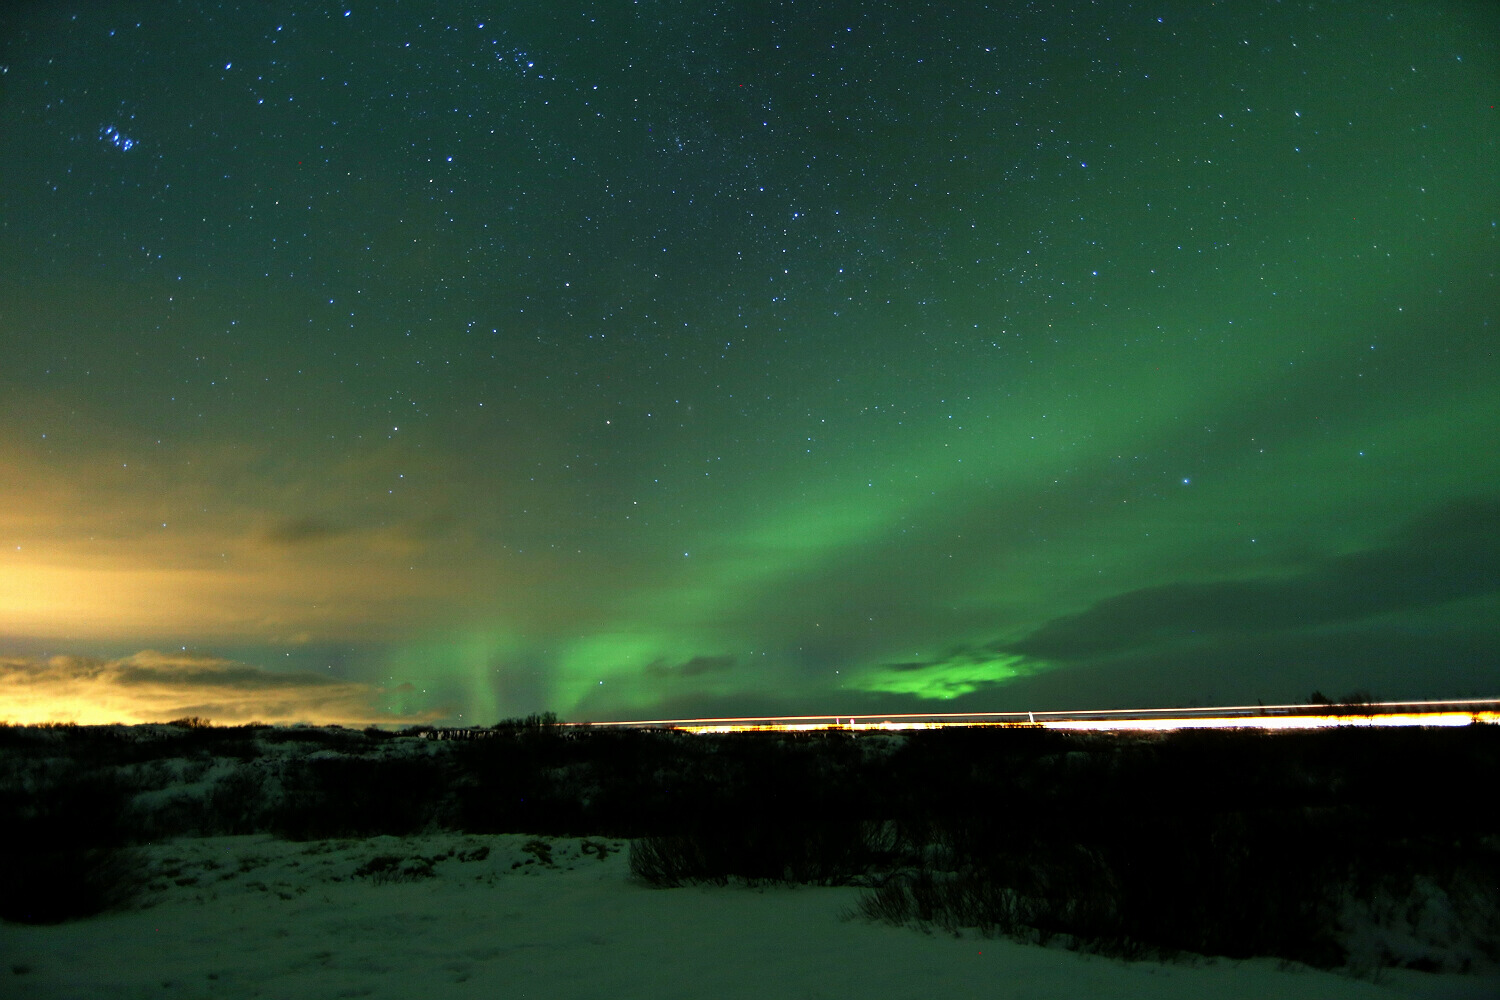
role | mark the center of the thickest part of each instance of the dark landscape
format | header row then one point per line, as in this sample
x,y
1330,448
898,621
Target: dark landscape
x,y
1357,848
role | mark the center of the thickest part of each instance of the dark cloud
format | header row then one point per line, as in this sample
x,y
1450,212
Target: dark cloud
x,y
1409,660
301,531
207,674
695,667
906,667
1449,554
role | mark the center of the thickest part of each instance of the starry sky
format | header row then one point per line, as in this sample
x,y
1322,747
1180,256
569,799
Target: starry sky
x,y
406,360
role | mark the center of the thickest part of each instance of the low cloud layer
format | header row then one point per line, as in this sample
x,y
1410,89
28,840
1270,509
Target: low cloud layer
x,y
1450,554
156,687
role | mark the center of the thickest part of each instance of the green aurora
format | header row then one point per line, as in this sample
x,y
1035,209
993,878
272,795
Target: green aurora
x,y
673,359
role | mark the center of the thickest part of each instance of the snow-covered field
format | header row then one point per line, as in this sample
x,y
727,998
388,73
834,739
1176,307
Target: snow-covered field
x,y
508,916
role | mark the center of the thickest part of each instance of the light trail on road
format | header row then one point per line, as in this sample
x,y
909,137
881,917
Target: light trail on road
x,y
1267,717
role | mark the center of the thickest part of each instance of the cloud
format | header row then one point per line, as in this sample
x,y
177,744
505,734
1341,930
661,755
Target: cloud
x,y
150,686
1450,554
960,672
695,667
210,541
1442,658
301,530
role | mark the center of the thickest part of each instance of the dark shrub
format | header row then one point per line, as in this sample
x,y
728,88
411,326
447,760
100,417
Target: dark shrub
x,y
62,857
539,849
388,868
51,886
534,723
1136,885
762,849
236,804
358,797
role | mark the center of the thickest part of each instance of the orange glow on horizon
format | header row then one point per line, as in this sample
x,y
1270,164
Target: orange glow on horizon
x,y
151,686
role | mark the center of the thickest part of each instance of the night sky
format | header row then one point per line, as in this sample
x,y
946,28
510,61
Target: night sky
x,y
415,360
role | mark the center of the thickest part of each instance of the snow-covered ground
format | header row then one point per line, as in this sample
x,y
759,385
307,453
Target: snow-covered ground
x,y
507,916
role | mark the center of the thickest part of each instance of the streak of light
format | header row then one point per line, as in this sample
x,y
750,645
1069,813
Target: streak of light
x,y
1282,722
1266,717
